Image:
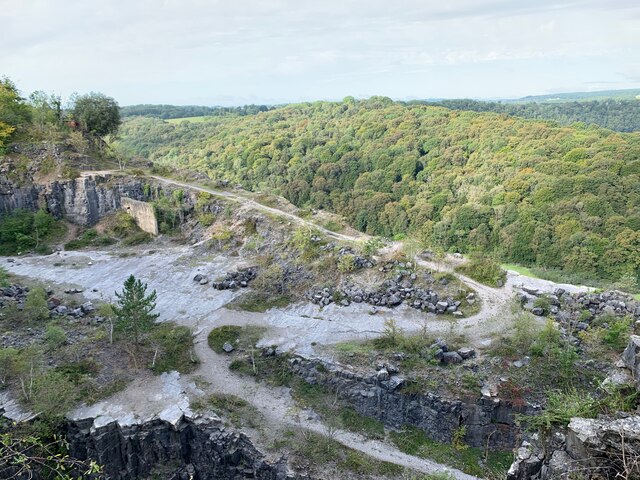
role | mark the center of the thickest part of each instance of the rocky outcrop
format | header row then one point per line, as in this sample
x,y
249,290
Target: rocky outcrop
x,y
182,450
83,201
631,358
591,448
394,400
606,447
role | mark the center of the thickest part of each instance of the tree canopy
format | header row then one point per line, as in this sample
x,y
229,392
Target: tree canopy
x,y
532,192
96,113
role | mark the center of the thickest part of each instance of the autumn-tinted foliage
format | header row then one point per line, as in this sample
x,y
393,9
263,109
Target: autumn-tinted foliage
x,y
529,191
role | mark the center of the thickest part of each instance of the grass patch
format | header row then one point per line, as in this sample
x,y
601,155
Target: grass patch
x,y
259,302
177,121
89,238
313,449
473,461
239,412
333,226
525,271
239,337
173,348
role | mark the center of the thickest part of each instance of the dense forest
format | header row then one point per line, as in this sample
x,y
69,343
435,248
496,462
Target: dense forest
x,y
184,111
530,191
619,115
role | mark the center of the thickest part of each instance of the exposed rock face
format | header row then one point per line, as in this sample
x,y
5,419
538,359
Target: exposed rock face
x,y
592,448
589,448
83,201
631,357
386,397
188,449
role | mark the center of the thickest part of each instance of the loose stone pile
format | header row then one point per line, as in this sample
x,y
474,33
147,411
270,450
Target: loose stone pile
x,y
391,293
17,294
232,280
581,309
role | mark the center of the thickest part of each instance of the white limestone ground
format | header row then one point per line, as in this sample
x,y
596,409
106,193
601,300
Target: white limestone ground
x,y
298,327
170,272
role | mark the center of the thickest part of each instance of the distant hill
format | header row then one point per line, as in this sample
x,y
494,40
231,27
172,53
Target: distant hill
x,y
622,114
185,111
628,94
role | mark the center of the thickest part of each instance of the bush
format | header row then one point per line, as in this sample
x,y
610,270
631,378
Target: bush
x,y
35,305
54,337
560,408
484,270
53,395
23,231
617,335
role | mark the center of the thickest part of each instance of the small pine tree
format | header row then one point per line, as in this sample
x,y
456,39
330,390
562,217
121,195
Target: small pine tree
x,y
133,310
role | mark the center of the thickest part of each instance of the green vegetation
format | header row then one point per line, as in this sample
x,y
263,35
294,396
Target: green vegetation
x,y
188,112
616,114
172,347
312,449
473,461
528,192
88,238
24,453
96,113
41,117
239,412
527,272
259,302
133,312
239,337
557,376
484,270
24,232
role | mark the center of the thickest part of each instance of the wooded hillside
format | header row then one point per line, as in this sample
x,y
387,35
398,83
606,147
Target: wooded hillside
x,y
528,191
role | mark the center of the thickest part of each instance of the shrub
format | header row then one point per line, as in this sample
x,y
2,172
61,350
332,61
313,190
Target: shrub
x,y
617,335
543,302
484,270
54,337
347,263
35,305
560,408
53,394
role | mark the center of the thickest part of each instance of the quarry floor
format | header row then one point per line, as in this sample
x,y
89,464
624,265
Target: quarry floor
x,y
299,327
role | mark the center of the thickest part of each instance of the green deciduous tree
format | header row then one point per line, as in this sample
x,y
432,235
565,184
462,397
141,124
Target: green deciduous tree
x,y
97,114
133,311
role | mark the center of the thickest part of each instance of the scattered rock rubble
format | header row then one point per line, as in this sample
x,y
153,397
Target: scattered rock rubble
x,y
232,280
392,293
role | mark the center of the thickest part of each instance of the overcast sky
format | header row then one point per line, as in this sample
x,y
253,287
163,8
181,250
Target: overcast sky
x,y
272,51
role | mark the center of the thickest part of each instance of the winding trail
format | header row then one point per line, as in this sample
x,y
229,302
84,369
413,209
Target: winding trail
x,y
264,208
100,274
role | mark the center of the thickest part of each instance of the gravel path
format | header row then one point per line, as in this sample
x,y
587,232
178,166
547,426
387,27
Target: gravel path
x,y
170,271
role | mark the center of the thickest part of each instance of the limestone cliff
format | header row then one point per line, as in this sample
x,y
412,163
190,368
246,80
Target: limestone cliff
x,y
188,449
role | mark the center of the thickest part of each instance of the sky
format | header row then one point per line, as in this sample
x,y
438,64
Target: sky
x,y
234,52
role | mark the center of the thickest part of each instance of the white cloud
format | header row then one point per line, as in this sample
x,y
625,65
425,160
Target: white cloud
x,y
181,50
